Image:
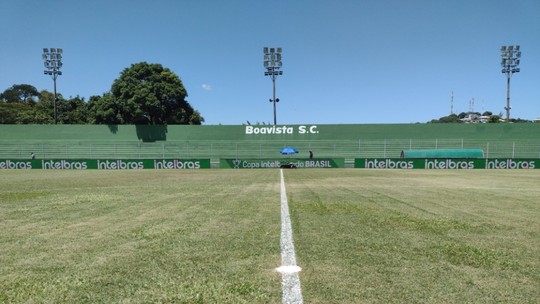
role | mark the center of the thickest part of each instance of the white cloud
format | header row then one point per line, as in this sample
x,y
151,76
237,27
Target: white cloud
x,y
206,87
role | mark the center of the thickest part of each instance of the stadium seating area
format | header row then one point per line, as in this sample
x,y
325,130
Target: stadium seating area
x,y
215,142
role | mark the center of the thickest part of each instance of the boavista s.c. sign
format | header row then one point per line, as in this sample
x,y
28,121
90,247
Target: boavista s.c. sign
x,y
278,130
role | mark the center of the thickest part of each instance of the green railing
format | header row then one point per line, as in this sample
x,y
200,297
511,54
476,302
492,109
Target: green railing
x,y
215,150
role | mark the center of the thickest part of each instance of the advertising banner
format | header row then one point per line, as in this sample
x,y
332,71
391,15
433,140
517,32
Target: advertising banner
x,y
104,164
446,163
279,163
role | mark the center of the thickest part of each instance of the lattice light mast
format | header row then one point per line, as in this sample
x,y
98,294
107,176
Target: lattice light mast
x,y
511,55
272,63
52,59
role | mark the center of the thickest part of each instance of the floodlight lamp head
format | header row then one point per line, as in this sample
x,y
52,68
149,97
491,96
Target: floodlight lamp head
x,y
265,50
45,50
503,48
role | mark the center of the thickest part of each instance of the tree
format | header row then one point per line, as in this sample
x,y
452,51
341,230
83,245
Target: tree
x,y
494,118
72,111
20,93
10,112
106,110
146,94
45,107
452,118
21,106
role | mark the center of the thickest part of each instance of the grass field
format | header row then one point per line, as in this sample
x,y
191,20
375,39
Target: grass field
x,y
212,236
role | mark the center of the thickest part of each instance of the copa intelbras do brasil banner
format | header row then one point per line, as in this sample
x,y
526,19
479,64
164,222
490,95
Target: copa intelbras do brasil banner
x,y
280,163
450,163
104,164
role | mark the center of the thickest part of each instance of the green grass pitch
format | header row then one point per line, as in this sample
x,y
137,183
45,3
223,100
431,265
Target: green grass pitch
x,y
212,236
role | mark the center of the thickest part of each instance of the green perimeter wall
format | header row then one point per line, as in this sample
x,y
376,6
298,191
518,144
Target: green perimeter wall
x,y
117,133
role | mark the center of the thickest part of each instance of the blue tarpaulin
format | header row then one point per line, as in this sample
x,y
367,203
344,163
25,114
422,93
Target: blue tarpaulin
x,y
288,150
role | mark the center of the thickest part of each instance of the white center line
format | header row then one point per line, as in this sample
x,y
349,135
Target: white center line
x,y
290,280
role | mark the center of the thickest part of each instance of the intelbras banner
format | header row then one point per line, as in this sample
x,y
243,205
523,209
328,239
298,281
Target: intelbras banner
x,y
104,164
185,164
446,164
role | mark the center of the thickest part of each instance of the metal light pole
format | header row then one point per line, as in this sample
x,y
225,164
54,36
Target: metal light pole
x,y
272,63
511,56
52,59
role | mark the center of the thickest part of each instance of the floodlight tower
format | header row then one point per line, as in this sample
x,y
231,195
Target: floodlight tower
x,y
272,63
511,56
53,62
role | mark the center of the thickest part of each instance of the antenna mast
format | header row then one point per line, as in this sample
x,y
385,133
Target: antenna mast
x,y
452,104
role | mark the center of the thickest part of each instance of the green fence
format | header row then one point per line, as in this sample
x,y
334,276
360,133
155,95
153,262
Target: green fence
x,y
215,150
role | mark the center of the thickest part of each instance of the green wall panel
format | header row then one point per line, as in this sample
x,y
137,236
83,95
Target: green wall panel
x,y
524,131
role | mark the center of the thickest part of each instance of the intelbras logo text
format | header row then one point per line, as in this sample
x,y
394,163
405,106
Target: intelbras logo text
x,y
388,164
510,164
278,130
9,164
63,165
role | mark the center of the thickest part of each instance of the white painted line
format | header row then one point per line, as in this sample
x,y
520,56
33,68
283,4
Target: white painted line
x,y
290,280
289,269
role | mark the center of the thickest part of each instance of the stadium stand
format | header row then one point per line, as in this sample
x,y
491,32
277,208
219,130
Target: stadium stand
x,y
215,142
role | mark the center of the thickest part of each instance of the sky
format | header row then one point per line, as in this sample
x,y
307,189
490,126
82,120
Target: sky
x,y
344,62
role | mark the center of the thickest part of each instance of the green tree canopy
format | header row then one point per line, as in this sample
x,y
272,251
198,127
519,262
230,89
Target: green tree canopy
x,y
20,93
452,118
146,94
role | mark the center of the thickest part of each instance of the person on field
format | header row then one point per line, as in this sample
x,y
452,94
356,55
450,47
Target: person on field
x,y
310,154
32,155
